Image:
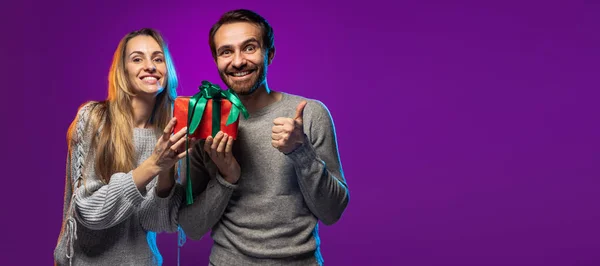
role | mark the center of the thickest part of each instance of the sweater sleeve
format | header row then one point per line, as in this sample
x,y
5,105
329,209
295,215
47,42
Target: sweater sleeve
x,y
211,196
68,188
318,167
64,246
161,214
98,205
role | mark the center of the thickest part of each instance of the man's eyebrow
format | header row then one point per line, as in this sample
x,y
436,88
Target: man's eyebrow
x,y
250,40
229,46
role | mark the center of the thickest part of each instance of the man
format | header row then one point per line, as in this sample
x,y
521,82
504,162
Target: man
x,y
264,195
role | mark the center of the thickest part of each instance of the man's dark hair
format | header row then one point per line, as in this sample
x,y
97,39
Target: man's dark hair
x,y
243,15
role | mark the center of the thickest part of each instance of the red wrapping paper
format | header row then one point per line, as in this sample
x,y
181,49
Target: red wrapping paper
x,y
180,112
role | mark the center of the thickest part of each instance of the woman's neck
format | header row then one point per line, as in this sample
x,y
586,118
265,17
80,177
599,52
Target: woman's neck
x,y
142,111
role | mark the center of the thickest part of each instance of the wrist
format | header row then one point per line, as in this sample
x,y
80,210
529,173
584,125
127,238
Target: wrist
x,y
143,174
151,168
163,188
166,174
297,145
231,179
166,178
165,182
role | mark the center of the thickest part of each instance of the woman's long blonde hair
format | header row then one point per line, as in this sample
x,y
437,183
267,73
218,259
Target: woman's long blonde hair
x,y
113,145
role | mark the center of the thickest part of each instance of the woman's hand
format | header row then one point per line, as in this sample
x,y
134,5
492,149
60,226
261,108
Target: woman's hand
x,y
167,152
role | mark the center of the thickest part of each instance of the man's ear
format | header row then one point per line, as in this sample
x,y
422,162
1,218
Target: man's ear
x,y
271,55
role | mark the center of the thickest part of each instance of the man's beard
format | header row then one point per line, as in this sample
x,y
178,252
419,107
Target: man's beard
x,y
246,87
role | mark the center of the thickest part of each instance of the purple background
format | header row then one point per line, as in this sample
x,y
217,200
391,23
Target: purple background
x,y
468,131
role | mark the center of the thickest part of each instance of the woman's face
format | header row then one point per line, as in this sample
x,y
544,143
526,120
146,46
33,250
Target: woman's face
x,y
145,65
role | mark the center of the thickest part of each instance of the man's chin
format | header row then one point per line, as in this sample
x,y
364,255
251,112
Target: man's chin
x,y
242,89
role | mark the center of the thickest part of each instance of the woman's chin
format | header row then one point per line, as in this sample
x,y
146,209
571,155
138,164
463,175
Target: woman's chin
x,y
150,90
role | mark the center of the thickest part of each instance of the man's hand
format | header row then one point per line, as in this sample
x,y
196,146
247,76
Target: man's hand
x,y
219,150
288,133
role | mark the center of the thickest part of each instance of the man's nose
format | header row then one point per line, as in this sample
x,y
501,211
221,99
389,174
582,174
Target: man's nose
x,y
239,61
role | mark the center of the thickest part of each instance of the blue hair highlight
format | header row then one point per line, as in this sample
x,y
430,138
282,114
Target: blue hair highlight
x,y
318,255
151,239
172,81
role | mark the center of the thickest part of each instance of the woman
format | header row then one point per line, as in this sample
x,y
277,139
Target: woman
x,y
116,149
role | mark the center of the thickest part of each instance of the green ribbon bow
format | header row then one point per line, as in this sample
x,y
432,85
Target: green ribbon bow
x,y
196,110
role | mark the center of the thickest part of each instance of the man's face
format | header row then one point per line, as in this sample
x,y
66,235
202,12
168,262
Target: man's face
x,y
241,56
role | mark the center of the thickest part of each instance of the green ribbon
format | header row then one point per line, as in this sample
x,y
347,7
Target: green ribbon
x,y
196,110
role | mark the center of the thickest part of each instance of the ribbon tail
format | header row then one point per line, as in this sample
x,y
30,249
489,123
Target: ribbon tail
x,y
233,115
236,107
216,116
188,189
195,111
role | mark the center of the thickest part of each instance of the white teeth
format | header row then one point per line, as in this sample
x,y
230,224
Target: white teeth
x,y
239,74
149,78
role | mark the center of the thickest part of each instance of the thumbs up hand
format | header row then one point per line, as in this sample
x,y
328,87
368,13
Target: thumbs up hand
x,y
288,133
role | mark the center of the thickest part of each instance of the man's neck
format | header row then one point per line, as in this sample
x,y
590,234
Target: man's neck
x,y
260,98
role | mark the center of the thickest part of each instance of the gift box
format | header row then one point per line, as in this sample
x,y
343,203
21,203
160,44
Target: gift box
x,y
205,114
213,110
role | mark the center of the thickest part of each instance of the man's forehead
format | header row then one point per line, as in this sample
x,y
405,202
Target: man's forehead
x,y
236,33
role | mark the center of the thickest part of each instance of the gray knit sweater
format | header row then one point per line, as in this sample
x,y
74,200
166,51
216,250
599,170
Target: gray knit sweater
x,y
111,224
270,216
